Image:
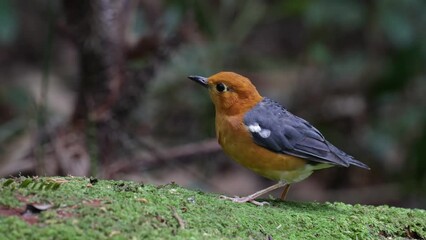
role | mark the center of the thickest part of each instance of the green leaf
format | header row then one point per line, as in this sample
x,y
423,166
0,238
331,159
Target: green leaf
x,y
8,182
56,186
25,183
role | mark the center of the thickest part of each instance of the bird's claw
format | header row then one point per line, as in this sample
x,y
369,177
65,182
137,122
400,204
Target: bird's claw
x,y
259,203
243,200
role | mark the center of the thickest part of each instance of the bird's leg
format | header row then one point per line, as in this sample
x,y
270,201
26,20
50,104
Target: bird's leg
x,y
251,198
285,191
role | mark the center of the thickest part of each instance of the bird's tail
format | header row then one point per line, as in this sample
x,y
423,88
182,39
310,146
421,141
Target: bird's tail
x,y
357,163
346,158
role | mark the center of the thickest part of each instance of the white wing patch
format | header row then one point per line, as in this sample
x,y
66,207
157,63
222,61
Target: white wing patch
x,y
265,133
255,128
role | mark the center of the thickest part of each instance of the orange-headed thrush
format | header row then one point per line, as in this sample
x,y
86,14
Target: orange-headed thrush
x,y
263,136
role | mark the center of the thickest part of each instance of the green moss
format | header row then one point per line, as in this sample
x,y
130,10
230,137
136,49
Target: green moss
x,y
128,210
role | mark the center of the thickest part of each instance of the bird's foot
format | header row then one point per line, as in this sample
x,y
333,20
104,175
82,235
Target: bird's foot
x,y
243,200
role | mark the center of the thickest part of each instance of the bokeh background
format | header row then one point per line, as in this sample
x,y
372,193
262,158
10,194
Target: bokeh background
x,y
99,88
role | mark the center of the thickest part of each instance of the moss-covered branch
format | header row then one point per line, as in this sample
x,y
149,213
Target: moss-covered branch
x,y
82,207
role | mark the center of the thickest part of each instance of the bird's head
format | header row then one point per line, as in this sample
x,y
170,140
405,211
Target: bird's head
x,y
231,93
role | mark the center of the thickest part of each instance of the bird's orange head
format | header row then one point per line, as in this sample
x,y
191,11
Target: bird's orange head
x,y
231,93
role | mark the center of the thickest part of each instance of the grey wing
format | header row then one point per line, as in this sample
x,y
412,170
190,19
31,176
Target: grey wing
x,y
276,129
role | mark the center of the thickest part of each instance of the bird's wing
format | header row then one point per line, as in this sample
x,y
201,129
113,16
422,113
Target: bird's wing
x,y
278,130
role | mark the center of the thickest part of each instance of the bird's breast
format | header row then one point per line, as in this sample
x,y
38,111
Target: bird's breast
x,y
238,144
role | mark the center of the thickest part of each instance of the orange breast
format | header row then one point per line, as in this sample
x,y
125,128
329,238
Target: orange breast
x,y
238,144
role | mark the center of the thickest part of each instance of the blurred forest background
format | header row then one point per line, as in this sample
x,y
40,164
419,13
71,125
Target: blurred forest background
x,y
99,88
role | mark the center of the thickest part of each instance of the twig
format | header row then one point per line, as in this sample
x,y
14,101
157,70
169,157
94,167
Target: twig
x,y
151,159
178,218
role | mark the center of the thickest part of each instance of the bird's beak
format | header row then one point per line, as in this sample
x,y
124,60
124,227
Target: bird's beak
x,y
201,80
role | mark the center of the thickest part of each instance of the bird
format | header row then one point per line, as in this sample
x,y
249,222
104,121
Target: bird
x,y
263,136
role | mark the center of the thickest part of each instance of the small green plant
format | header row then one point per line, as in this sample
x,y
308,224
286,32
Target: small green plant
x,y
33,183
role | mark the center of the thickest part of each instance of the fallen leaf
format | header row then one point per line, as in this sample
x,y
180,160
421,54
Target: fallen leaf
x,y
36,208
142,200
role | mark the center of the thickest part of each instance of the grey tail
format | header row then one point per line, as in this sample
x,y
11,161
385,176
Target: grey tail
x,y
357,163
347,159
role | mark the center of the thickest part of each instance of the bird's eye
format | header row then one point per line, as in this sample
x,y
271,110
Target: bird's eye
x,y
220,87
